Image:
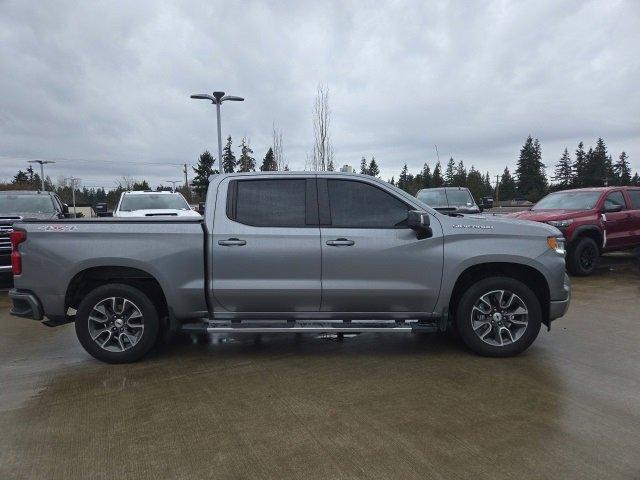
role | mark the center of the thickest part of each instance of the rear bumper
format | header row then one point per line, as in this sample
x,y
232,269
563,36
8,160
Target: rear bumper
x,y
25,304
557,308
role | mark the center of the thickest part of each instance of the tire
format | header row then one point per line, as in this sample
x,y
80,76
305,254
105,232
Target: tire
x,y
133,316
507,334
583,257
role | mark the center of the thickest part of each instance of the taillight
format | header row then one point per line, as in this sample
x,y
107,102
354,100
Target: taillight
x,y
17,237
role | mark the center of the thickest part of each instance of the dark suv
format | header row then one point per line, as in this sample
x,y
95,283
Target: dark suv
x,y
18,204
593,221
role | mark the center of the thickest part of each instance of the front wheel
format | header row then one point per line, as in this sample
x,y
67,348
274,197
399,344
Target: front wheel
x,y
583,257
117,323
498,317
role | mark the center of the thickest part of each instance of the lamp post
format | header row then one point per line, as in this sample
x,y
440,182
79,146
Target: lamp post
x,y
41,162
73,181
173,185
217,98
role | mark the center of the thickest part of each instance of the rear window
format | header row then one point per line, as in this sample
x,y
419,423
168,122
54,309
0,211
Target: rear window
x,y
635,198
271,203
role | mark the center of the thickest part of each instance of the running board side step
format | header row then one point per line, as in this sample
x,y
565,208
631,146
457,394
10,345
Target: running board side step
x,y
302,326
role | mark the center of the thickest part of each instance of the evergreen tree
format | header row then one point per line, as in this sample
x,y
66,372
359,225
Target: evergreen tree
x,y
436,179
460,176
507,187
636,180
228,158
564,170
20,177
580,167
373,169
622,170
403,179
363,167
599,169
426,177
488,189
203,170
330,166
450,173
246,163
531,179
269,162
393,180
475,183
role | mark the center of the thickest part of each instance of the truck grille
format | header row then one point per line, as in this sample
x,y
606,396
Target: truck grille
x,y
6,227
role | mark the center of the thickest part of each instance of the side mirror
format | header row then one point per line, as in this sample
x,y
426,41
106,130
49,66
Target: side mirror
x,y
65,208
419,222
612,208
481,207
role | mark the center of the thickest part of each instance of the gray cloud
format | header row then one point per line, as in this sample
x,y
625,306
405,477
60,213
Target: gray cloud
x,y
108,83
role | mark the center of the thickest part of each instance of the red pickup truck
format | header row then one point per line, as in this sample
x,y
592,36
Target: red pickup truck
x,y
593,221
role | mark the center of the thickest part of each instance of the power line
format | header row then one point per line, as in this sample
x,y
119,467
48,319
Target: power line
x,y
86,160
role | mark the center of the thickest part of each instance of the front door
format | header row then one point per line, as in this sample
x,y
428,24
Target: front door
x,y
616,224
371,261
266,245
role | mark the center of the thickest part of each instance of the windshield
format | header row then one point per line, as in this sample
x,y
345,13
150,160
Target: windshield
x,y
460,198
568,201
12,203
433,198
173,201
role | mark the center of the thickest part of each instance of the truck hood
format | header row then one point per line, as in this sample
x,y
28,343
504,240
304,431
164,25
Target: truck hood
x,y
546,215
501,225
157,213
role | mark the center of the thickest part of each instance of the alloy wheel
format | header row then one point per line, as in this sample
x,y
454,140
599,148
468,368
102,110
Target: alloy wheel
x,y
116,324
499,318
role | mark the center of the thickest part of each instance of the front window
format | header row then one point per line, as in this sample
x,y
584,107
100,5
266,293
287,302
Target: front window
x,y
568,201
433,198
13,203
152,201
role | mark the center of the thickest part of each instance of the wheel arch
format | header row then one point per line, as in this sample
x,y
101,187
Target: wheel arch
x,y
527,274
591,231
88,279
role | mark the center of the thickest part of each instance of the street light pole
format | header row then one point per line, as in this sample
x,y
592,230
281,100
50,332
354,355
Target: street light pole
x,y
73,193
41,162
173,185
217,98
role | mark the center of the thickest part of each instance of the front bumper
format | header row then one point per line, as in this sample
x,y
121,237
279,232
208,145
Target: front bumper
x,y
5,263
557,308
25,304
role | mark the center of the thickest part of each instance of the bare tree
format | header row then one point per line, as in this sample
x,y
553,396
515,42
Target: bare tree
x,y
278,152
322,154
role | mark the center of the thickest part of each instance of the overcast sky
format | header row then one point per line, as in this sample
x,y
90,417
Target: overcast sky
x,y
108,83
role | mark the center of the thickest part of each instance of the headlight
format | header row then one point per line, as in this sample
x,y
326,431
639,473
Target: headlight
x,y
556,244
560,223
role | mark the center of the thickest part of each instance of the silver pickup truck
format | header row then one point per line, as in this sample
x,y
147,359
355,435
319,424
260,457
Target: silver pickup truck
x,y
292,252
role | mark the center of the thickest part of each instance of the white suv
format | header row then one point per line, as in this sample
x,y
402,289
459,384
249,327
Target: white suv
x,y
153,204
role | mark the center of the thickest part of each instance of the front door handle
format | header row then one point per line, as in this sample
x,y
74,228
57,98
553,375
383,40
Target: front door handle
x,y
340,242
232,242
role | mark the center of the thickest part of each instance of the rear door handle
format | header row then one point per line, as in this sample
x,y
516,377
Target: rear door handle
x,y
232,242
340,242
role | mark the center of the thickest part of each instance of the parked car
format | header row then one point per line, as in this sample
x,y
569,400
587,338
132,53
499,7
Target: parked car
x,y
18,204
450,200
592,220
153,204
292,252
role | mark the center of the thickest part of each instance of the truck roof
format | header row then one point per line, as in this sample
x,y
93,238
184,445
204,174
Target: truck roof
x,y
27,192
147,192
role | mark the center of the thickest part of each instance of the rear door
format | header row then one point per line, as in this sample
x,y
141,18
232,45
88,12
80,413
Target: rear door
x,y
371,261
617,224
634,211
266,245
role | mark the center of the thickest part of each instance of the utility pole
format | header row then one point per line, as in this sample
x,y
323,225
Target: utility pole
x,y
41,162
497,188
73,181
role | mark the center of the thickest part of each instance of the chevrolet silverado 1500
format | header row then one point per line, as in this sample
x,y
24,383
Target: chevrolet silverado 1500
x,y
292,252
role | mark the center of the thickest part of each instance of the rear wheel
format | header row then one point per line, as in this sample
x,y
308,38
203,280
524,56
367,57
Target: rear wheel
x,y
498,317
583,257
117,323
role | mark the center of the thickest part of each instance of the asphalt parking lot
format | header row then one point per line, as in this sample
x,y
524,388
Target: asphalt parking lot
x,y
372,406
